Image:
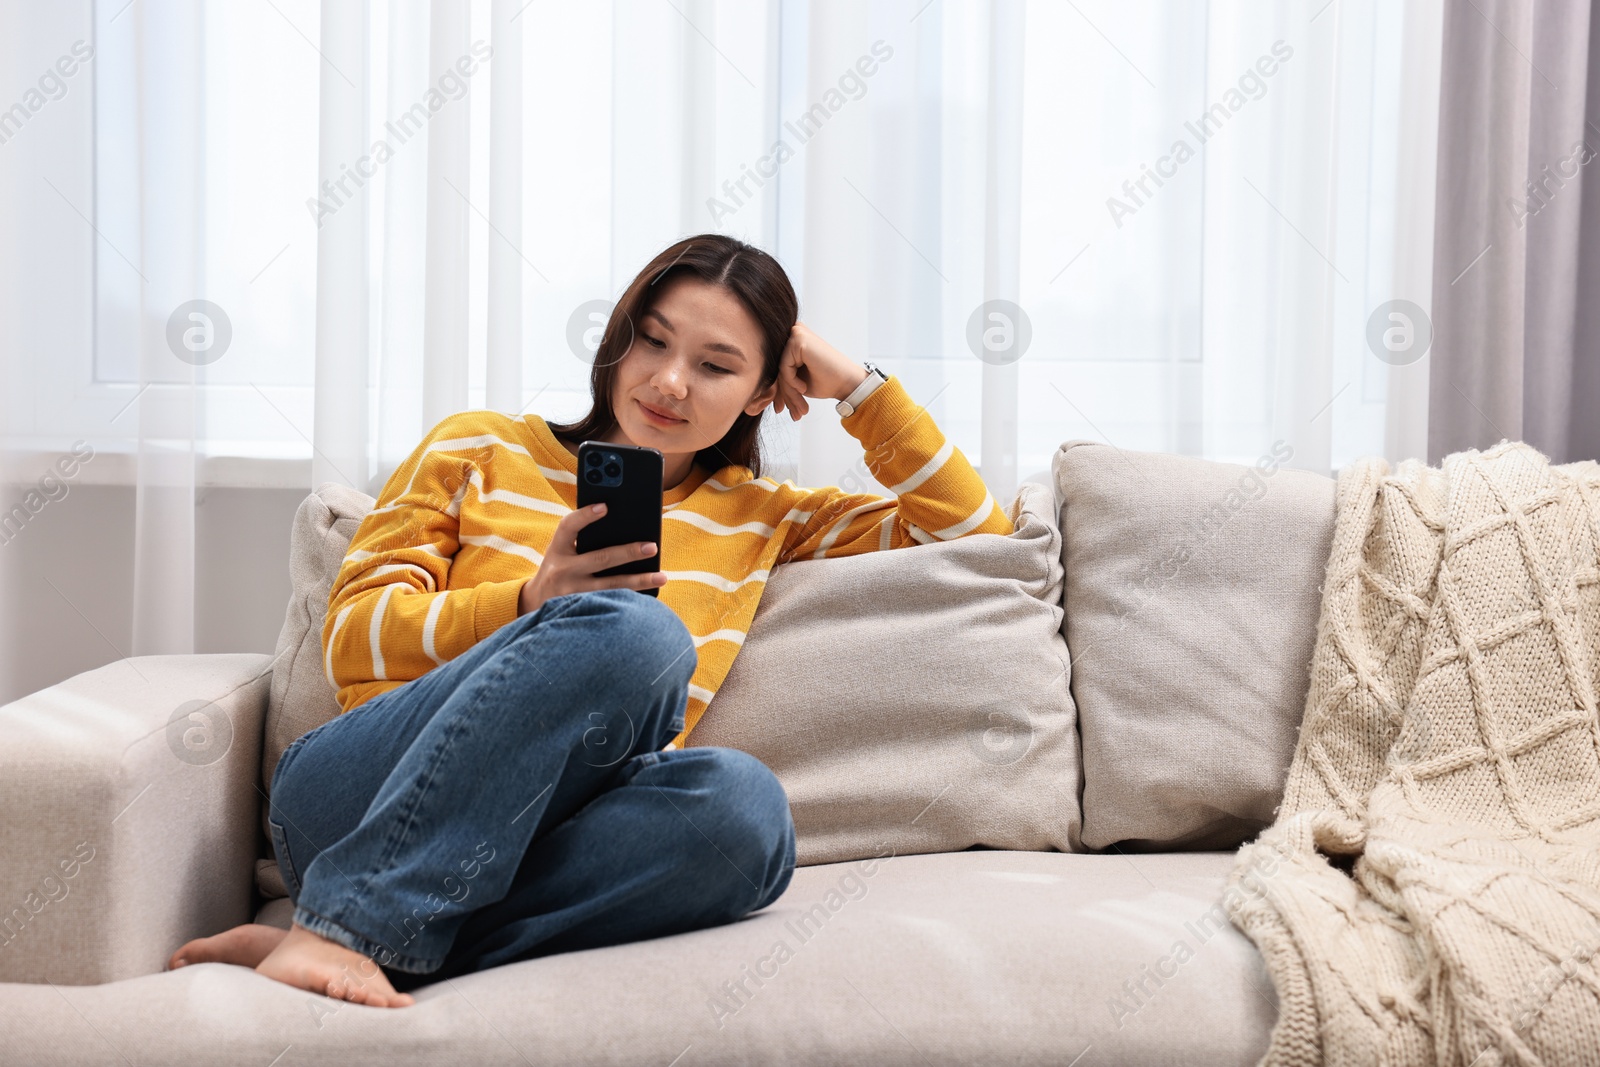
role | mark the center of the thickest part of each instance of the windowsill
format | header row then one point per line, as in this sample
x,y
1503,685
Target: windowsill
x,y
118,464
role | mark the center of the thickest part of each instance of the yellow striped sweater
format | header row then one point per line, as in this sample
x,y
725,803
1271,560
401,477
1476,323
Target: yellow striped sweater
x,y
438,564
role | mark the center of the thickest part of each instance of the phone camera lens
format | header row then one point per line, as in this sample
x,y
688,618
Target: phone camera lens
x,y
594,459
592,476
612,470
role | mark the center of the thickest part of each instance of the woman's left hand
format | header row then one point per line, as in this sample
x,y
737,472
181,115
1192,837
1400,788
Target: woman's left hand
x,y
812,367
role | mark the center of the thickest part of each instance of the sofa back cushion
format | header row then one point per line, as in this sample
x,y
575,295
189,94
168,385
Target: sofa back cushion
x,y
302,698
916,699
1192,595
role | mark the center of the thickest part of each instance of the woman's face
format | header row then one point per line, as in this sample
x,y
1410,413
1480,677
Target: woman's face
x,y
696,355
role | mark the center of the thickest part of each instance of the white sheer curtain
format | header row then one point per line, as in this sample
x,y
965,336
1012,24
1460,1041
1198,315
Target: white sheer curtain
x,y
408,208
975,163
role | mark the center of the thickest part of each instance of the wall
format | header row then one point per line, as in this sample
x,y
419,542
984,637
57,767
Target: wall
x,y
71,567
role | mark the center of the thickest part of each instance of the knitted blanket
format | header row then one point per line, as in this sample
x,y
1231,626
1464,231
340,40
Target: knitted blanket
x,y
1430,889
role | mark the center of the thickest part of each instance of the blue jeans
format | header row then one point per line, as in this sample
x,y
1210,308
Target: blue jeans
x,y
515,802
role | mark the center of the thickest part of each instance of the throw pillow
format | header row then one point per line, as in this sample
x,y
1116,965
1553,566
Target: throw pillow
x,y
1192,594
915,699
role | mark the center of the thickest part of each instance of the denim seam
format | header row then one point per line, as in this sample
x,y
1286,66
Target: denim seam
x,y
402,832
286,865
643,760
350,939
678,719
286,861
284,756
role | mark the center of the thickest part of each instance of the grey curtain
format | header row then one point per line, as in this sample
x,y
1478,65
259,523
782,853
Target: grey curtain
x,y
1516,289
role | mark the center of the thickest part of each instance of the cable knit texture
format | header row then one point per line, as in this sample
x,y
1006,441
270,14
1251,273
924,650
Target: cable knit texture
x,y
1450,746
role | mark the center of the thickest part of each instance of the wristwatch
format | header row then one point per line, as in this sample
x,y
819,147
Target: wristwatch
x,y
875,377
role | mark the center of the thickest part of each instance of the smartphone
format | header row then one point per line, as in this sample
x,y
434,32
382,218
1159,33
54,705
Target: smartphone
x,y
627,479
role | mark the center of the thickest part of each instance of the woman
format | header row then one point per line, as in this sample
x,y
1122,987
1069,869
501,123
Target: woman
x,y
507,778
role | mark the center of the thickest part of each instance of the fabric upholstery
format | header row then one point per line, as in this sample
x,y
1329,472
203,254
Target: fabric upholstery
x,y
127,816
302,696
916,699
963,958
870,684
1192,592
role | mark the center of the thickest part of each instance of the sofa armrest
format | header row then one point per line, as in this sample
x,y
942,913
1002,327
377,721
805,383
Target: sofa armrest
x,y
128,805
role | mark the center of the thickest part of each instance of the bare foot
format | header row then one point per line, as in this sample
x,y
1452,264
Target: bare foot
x,y
245,945
310,961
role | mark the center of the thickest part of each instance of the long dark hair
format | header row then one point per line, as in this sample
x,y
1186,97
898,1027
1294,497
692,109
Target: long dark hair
x,y
744,270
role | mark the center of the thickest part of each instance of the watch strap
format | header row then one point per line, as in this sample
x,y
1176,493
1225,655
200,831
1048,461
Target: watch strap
x,y
875,377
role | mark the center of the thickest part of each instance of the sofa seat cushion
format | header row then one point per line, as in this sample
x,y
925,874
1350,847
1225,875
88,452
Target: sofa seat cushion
x,y
981,956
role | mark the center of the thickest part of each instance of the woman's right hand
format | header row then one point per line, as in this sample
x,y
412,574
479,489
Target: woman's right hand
x,y
566,570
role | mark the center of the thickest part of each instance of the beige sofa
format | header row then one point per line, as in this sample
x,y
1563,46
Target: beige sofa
x,y
1009,853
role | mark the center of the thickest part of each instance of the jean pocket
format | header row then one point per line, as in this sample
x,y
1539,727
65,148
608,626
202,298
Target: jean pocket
x,y
280,848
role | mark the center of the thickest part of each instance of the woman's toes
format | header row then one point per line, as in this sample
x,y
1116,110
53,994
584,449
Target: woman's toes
x,y
246,945
312,962
190,952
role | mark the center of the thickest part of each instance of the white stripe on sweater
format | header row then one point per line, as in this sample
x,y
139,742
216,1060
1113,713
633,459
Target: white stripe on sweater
x,y
463,444
845,520
554,474
333,640
482,440
375,632
760,483
926,471
976,519
429,626
765,484
717,581
712,526
521,500
453,509
390,568
724,634
360,554
500,544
